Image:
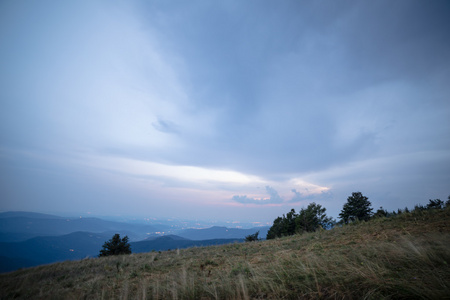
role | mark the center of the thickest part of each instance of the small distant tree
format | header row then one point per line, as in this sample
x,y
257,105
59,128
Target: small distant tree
x,y
116,246
447,203
252,237
381,213
419,207
358,207
436,203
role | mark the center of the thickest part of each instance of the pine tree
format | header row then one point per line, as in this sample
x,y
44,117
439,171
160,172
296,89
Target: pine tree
x,y
358,207
116,246
283,226
275,229
312,218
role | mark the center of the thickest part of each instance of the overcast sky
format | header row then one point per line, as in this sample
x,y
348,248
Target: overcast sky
x,y
227,110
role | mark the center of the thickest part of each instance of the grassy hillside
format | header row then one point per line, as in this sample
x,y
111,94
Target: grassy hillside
x,y
216,232
403,257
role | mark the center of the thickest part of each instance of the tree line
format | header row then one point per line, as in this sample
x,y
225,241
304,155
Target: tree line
x,y
309,219
357,208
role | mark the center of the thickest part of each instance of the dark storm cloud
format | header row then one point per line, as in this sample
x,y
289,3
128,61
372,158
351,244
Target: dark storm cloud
x,y
282,80
326,92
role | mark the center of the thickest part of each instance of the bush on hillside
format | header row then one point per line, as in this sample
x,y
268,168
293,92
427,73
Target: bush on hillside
x,y
436,203
116,246
312,218
307,220
381,213
252,237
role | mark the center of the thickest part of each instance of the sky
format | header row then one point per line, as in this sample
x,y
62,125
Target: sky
x,y
222,110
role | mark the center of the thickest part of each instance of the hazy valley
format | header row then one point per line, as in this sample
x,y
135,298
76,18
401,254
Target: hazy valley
x,y
31,239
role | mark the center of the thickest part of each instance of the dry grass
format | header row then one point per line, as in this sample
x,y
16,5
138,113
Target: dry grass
x,y
406,257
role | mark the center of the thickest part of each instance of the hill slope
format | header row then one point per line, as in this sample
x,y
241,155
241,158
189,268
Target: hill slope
x,y
404,257
217,232
175,242
49,249
78,245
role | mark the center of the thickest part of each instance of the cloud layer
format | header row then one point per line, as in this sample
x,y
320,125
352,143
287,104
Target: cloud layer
x,y
211,109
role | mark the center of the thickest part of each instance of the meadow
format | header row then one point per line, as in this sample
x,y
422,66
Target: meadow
x,y
402,257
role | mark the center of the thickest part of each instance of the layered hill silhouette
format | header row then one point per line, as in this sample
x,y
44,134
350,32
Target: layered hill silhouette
x,y
31,239
19,226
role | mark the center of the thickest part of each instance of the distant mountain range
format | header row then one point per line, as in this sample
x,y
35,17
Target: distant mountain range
x,y
31,239
48,249
19,226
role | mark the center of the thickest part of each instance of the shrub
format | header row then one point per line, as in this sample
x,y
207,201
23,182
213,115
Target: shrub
x,y
307,220
436,203
252,237
116,246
